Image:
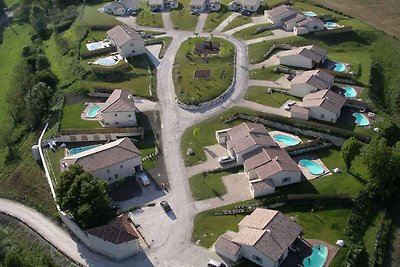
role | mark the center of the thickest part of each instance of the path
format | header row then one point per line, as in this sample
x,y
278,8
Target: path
x,y
166,17
225,22
239,28
201,22
277,34
272,61
265,109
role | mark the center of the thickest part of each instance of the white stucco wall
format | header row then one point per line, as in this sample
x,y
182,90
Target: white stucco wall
x,y
317,112
128,169
295,177
261,193
132,48
298,115
296,61
249,251
300,31
252,8
301,89
198,8
119,119
116,251
315,25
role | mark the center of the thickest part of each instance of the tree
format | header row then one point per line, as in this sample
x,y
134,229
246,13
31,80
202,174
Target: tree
x,y
37,101
84,197
350,149
38,19
12,260
391,134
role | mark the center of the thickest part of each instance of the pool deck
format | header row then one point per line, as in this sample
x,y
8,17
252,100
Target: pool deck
x,y
85,111
305,171
339,88
346,117
281,144
332,249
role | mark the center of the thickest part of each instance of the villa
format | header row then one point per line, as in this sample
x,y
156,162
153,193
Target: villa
x,y
118,239
307,25
306,57
119,110
121,7
126,40
110,162
265,238
159,5
266,165
311,81
203,5
244,5
324,105
280,13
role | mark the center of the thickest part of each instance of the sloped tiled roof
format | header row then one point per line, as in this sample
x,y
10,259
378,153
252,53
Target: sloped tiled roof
x,y
325,99
293,18
118,231
279,10
317,78
104,156
121,34
224,242
255,158
119,101
258,219
308,20
305,51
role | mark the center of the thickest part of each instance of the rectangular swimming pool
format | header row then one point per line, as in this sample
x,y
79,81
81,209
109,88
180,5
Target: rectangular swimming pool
x,y
76,150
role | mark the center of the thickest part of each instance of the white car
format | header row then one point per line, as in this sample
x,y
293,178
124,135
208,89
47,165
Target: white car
x,y
226,159
289,105
143,178
213,263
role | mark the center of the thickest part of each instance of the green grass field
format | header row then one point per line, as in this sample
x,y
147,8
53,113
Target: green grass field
x,y
92,17
190,90
71,118
210,185
249,33
181,17
215,18
265,74
236,22
10,53
259,95
11,2
148,18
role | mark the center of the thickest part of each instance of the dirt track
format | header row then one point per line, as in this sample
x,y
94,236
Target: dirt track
x,y
382,14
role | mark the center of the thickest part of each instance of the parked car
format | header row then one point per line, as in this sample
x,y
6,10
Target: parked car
x,y
164,204
143,178
289,105
226,159
291,76
213,263
195,13
246,13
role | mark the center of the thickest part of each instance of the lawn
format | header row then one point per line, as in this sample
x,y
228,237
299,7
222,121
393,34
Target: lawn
x,y
215,18
190,90
249,33
11,2
181,17
303,6
147,147
327,224
94,18
93,36
53,160
265,74
210,185
148,18
236,22
10,53
71,118
259,95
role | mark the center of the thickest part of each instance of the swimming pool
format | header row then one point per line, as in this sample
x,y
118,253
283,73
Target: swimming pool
x,y
77,150
312,167
350,91
361,120
317,258
339,67
331,25
107,61
92,112
287,140
309,14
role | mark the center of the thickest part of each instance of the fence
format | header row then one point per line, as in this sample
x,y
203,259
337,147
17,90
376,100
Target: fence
x,y
337,30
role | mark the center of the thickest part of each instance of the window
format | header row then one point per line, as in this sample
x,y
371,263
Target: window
x,y
131,44
285,180
115,114
257,259
108,171
122,166
116,122
315,27
133,51
322,116
109,178
129,115
116,176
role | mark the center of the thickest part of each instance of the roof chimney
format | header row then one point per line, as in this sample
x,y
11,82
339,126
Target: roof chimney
x,y
276,158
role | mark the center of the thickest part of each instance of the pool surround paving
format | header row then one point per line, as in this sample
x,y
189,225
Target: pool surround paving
x,y
307,174
282,144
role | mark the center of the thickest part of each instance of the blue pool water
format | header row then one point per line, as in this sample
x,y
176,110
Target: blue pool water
x,y
287,140
77,150
361,120
92,112
330,24
339,67
350,91
309,14
94,46
317,258
107,61
312,167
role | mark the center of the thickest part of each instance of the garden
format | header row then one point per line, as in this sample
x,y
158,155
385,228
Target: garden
x,y
215,55
181,17
262,96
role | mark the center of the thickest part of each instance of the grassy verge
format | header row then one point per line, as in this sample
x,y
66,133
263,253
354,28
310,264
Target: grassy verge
x,y
249,33
259,95
265,74
166,41
10,52
236,22
210,185
71,118
215,18
147,147
148,18
94,18
190,90
181,17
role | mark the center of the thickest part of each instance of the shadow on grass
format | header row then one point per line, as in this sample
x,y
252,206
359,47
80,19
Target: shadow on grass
x,y
358,177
